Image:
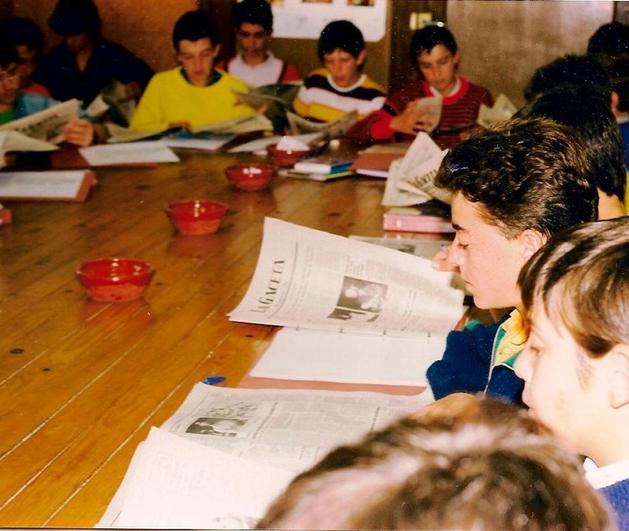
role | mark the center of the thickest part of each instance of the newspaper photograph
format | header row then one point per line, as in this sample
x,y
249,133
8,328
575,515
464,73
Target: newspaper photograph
x,y
417,171
312,279
46,125
288,429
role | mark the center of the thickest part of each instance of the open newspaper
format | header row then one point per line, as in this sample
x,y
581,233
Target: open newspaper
x,y
502,109
46,125
333,129
412,179
221,459
277,98
12,141
312,279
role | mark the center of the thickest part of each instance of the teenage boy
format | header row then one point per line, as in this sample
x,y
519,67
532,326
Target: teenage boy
x,y
576,363
340,86
255,64
193,94
513,187
85,62
15,103
460,463
588,113
436,55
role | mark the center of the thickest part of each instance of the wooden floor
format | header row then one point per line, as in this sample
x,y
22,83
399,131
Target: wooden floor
x,y
81,382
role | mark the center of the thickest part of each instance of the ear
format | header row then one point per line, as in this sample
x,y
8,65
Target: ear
x,y
217,50
618,360
456,57
615,100
362,56
530,241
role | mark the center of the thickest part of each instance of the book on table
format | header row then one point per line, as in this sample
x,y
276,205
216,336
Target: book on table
x,y
324,164
431,216
72,185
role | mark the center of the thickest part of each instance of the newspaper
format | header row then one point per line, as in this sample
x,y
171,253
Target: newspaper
x,y
431,111
502,109
243,446
277,98
415,174
14,141
311,279
46,125
333,129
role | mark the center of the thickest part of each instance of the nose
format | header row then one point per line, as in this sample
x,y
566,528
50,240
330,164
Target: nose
x,y
454,254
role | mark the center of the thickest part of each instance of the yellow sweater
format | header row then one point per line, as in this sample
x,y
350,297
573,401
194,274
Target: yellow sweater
x,y
170,99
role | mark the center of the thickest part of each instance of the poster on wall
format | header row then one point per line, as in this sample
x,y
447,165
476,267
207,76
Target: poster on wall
x,y
304,19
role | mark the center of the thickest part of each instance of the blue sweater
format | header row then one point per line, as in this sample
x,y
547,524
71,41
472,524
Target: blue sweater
x,y
617,495
466,366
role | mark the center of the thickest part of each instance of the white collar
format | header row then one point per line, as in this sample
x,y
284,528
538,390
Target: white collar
x,y
358,83
455,89
604,476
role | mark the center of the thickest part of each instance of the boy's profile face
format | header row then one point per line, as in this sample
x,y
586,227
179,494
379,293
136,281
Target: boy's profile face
x,y
9,86
252,39
438,66
197,59
563,388
344,67
488,261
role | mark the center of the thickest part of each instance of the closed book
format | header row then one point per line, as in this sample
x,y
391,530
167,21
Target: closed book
x,y
323,164
428,217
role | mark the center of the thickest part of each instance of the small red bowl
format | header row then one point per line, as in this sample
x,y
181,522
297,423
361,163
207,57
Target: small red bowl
x,y
196,216
250,176
115,279
286,158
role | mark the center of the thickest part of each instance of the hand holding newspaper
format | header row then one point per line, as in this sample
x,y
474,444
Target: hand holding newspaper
x,y
430,109
311,279
411,180
502,109
46,125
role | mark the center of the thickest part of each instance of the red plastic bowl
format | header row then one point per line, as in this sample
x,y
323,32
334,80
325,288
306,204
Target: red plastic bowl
x,y
286,158
250,176
115,279
196,216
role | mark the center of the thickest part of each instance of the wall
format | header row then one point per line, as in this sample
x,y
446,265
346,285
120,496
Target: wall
x,y
143,27
503,42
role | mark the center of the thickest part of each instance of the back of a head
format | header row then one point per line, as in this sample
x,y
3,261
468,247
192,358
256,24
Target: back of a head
x,y
253,12
528,173
426,38
193,26
71,17
22,31
341,35
495,469
611,39
581,278
577,70
588,112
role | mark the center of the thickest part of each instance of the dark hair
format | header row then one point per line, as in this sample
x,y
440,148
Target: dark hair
x,y
617,68
22,31
487,466
428,37
526,173
587,111
8,55
580,70
195,25
581,277
341,35
71,17
253,12
612,39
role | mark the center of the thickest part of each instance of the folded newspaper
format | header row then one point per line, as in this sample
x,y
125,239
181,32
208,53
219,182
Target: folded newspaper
x,y
307,278
431,111
411,179
14,141
333,129
502,109
46,125
223,457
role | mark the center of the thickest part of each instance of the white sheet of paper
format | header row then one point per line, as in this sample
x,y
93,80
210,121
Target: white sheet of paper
x,y
132,153
262,143
49,184
202,144
176,483
351,358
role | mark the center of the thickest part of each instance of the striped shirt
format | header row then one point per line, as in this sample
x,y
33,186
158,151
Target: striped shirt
x,y
320,99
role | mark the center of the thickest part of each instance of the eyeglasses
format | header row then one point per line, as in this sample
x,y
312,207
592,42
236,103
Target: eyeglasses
x,y
8,75
254,34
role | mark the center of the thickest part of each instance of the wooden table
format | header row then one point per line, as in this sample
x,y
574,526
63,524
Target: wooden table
x,y
81,382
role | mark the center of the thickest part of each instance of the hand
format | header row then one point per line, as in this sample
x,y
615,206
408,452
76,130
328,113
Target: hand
x,y
263,108
442,262
79,132
180,125
411,121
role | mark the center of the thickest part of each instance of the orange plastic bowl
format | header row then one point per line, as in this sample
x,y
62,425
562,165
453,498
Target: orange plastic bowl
x,y
196,216
115,279
250,176
286,158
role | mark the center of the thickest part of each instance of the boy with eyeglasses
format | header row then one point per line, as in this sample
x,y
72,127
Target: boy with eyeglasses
x,y
255,64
